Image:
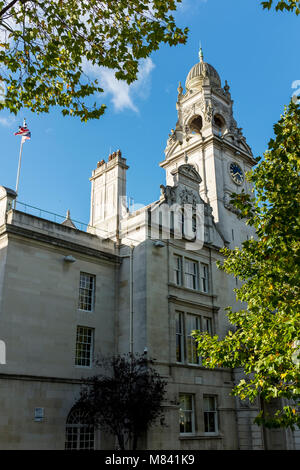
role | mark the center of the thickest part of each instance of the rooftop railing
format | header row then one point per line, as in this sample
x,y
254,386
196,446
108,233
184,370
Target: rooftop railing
x,y
52,216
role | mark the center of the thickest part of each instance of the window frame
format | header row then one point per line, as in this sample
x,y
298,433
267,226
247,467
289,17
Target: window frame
x,y
189,340
209,321
178,270
184,334
204,278
199,278
215,414
192,411
180,336
195,275
91,349
75,427
92,290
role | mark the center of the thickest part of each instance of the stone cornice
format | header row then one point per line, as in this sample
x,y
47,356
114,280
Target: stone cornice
x,y
204,143
11,229
179,300
40,378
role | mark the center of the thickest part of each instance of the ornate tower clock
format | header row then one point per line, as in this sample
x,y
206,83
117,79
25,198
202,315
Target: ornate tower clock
x,y
206,136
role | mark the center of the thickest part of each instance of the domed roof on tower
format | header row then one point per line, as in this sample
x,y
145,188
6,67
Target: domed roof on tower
x,y
201,72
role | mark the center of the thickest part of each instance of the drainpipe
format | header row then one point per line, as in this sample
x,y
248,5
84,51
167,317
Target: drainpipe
x,y
131,301
130,256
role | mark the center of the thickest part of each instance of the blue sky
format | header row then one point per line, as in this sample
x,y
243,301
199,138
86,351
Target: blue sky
x,y
255,50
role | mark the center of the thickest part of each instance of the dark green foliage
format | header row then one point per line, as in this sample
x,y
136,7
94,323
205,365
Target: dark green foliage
x,y
125,398
45,45
288,5
265,341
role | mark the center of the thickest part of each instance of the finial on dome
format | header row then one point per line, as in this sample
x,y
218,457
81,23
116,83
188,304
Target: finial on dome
x,y
201,57
226,87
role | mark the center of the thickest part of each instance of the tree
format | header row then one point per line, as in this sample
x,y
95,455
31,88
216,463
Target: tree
x,y
125,399
265,342
289,5
45,46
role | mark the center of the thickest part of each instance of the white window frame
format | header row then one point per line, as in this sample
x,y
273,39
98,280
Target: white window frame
x,y
191,411
204,277
214,412
190,341
87,292
207,324
178,263
76,429
180,339
91,347
192,273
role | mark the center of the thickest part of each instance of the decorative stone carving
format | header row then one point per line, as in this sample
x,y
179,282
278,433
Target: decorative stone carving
x,y
220,108
187,196
172,138
201,105
180,90
208,210
208,114
226,89
187,129
168,193
233,125
188,110
188,171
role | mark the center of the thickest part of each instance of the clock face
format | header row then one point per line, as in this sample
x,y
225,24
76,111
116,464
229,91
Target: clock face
x,y
236,173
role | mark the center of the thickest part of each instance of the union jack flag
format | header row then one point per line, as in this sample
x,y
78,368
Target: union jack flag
x,y
24,132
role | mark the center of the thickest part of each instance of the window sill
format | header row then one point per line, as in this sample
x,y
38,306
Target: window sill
x,y
196,291
199,367
187,364
198,437
190,366
82,367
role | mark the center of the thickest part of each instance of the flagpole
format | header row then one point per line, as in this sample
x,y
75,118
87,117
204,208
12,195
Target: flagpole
x,y
18,173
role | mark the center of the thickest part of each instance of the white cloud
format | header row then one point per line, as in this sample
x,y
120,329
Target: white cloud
x,y
8,121
189,6
123,95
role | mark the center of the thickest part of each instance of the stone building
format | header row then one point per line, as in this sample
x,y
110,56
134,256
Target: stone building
x,y
133,281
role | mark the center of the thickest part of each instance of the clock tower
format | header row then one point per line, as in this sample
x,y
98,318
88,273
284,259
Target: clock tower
x,y
207,136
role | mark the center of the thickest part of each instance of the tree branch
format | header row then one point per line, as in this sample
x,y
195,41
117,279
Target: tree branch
x,y
10,5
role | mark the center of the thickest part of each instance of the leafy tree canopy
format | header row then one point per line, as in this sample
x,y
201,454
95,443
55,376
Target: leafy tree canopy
x,y
289,5
45,45
125,398
265,341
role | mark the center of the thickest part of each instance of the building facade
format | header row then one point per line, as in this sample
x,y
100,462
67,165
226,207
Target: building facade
x,y
134,281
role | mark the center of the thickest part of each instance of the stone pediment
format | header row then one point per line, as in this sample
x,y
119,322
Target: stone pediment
x,y
185,189
188,171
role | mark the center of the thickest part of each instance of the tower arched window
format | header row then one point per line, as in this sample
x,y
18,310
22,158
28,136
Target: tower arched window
x,y
196,124
80,434
219,123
